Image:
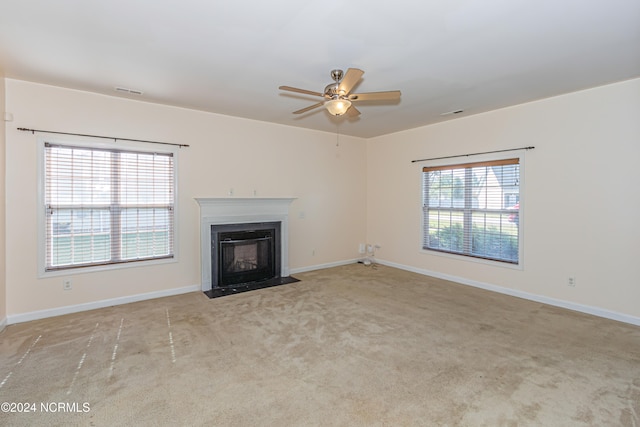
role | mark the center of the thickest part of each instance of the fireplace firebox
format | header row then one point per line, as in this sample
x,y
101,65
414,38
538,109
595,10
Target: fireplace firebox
x,y
242,254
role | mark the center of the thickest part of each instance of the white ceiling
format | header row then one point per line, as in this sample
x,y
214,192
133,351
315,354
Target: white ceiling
x,y
229,57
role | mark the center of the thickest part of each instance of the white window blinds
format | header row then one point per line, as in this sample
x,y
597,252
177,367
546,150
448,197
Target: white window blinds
x,y
107,206
473,209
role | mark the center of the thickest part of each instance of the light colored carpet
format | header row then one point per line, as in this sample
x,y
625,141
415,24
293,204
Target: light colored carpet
x,y
346,346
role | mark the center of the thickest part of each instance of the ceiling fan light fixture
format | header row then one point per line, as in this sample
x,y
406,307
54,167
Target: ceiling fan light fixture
x,y
337,106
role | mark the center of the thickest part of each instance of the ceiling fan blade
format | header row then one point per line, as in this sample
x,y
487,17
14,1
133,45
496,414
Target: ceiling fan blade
x,y
375,96
311,107
349,80
295,89
353,111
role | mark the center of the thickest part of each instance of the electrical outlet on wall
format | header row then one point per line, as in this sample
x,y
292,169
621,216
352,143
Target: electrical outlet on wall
x,y
66,284
571,281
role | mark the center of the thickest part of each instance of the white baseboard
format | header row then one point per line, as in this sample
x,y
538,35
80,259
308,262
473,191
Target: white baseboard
x,y
42,314
321,266
596,311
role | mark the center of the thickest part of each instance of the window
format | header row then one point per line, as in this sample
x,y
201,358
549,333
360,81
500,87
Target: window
x,y
473,209
106,206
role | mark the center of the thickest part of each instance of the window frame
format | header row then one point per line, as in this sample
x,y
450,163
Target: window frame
x,y
493,157
89,142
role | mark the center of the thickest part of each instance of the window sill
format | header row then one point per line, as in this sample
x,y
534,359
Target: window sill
x,y
457,257
101,268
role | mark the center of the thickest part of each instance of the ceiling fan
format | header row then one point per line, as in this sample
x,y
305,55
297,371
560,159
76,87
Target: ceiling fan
x,y
337,96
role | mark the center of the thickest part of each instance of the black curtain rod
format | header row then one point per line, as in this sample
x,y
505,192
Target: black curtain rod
x,y
473,154
103,137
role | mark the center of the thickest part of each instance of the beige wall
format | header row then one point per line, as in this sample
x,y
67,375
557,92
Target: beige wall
x,y
580,203
579,206
226,152
3,289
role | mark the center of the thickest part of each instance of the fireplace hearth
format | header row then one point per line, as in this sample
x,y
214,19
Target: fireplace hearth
x,y
251,286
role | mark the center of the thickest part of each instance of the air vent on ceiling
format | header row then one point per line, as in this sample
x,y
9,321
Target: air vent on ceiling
x,y
130,91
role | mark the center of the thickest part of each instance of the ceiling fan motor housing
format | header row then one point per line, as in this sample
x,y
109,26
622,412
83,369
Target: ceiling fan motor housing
x,y
331,90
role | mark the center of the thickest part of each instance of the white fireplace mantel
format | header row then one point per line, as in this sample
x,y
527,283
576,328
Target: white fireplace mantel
x,y
236,210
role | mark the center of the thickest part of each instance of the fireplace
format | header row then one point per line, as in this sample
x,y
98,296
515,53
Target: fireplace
x,y
239,217
244,253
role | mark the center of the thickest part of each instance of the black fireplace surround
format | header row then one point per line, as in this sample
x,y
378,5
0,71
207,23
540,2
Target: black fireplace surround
x,y
245,257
